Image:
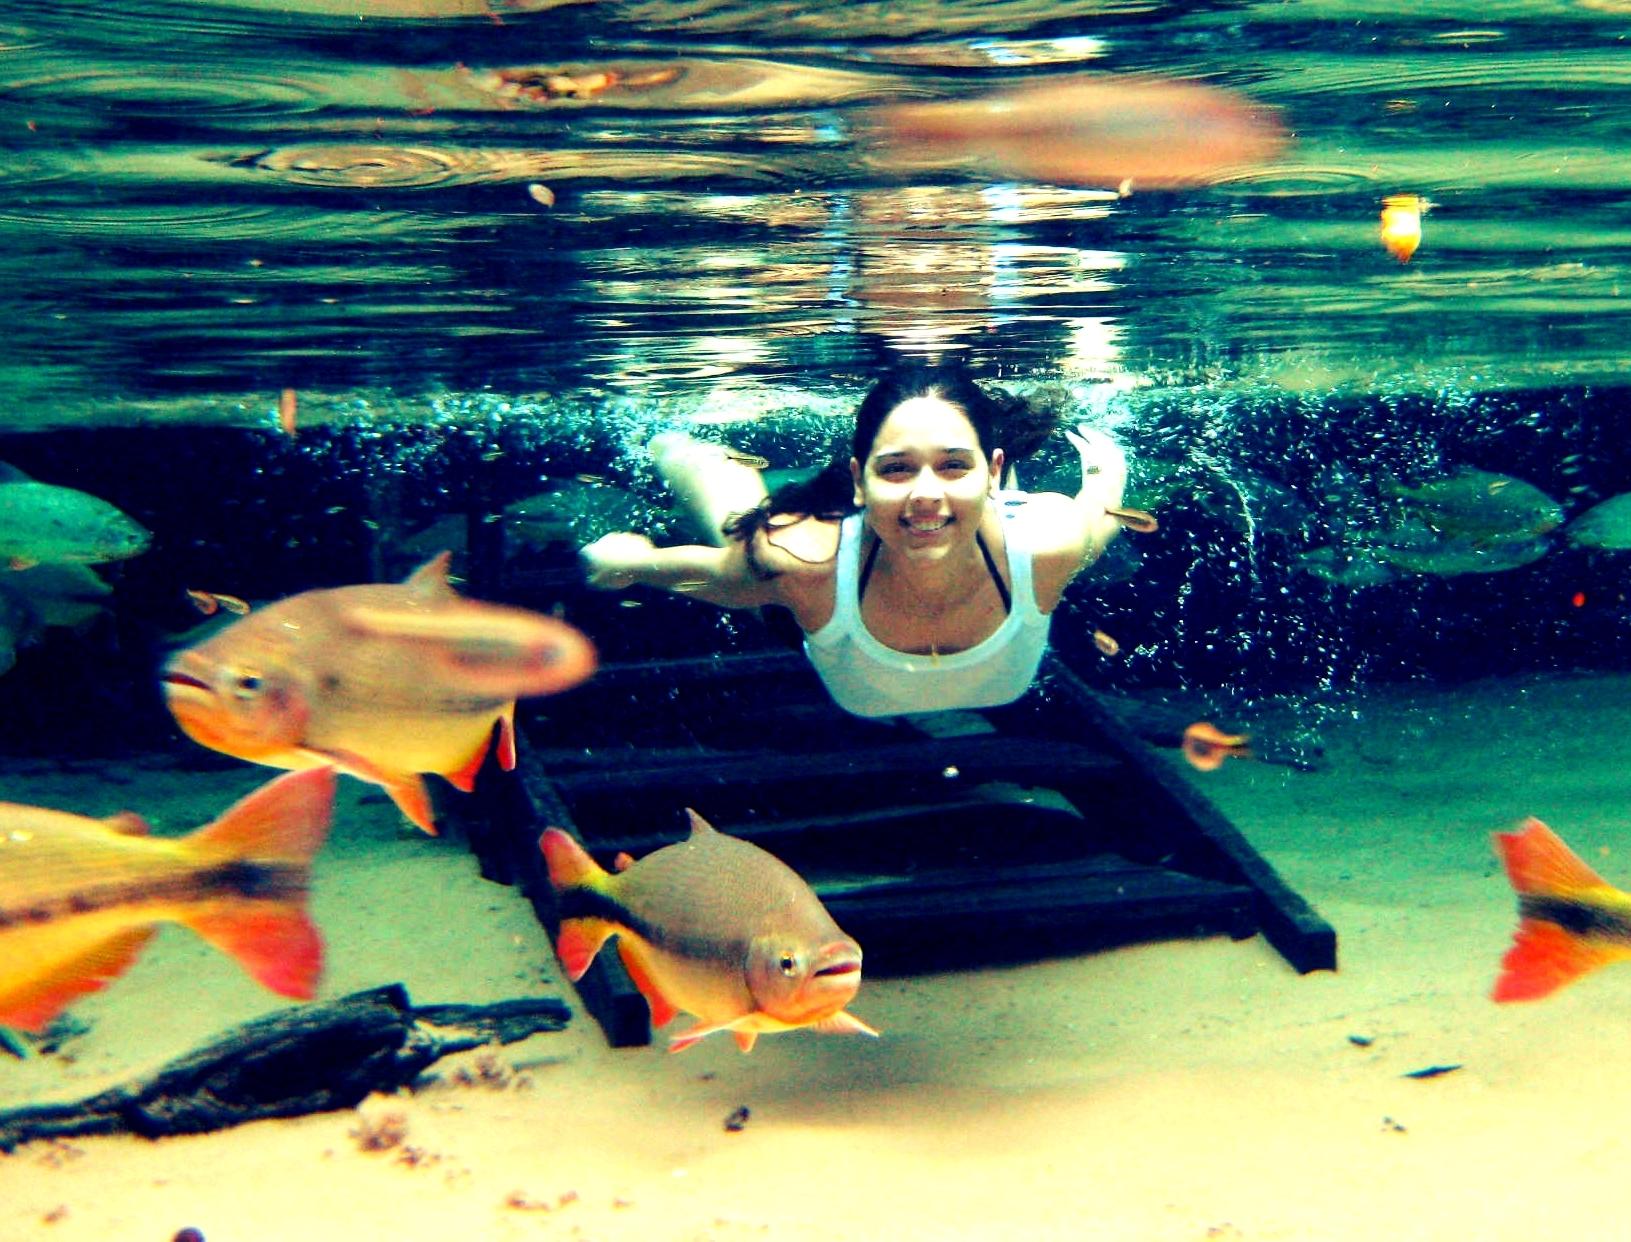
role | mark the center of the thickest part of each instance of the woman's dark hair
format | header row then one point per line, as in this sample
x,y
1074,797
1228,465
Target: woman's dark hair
x,y
1000,420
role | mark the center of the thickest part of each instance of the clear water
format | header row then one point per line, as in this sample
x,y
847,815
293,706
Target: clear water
x,y
203,203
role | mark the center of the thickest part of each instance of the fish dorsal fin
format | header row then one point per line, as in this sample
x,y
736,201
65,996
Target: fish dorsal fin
x,y
128,824
699,827
429,581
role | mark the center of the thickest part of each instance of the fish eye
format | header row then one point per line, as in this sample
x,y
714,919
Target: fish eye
x,y
247,685
788,964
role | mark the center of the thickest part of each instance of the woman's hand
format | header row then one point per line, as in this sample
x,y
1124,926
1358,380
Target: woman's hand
x,y
1099,452
614,561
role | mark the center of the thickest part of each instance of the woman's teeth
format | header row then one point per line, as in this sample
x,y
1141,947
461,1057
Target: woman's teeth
x,y
927,525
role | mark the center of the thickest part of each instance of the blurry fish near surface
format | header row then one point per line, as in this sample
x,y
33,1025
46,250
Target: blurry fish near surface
x,y
41,523
1570,919
1401,224
384,682
80,897
1081,129
713,926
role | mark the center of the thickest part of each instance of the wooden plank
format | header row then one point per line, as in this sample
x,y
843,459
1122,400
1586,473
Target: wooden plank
x,y
964,759
1289,923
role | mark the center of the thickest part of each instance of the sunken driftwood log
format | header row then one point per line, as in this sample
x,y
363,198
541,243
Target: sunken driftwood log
x,y
308,1059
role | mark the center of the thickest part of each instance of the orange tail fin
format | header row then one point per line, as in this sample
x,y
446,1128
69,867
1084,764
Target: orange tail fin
x,y
1546,955
284,822
33,1007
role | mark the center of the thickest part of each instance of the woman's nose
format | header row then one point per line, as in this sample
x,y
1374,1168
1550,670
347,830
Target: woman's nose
x,y
927,484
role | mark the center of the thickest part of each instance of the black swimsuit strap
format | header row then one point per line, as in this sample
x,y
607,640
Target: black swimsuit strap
x,y
990,564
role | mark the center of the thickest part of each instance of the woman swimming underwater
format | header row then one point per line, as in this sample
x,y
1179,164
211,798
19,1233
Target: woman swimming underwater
x,y
920,585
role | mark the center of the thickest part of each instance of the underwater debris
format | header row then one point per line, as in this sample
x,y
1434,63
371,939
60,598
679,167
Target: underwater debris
x,y
380,1131
737,1120
315,1058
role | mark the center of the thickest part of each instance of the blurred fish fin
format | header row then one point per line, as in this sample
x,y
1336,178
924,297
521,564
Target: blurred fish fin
x,y
569,863
32,1008
506,738
463,777
429,581
285,820
844,1023
663,1011
1544,957
405,788
579,941
702,1030
22,562
1538,862
10,474
273,941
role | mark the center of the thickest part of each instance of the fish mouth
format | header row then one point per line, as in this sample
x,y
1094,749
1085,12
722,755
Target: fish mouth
x,y
174,680
838,969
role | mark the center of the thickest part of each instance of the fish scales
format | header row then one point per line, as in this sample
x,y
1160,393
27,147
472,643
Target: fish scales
x,y
692,895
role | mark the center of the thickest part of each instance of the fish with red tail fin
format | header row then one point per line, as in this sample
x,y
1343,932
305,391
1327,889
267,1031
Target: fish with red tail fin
x,y
713,926
81,897
383,681
1570,922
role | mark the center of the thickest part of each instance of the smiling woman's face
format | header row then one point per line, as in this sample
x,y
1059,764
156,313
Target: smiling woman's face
x,y
925,482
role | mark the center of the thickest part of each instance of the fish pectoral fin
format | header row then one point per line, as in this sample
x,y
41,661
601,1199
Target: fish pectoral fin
x,y
663,1011
33,1006
274,942
1544,957
744,1035
405,788
578,942
844,1023
463,777
506,738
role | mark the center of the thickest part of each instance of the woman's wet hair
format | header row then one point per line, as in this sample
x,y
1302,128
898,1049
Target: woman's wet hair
x,y
1000,420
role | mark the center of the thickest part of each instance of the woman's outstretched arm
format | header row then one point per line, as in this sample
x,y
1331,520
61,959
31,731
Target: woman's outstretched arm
x,y
720,575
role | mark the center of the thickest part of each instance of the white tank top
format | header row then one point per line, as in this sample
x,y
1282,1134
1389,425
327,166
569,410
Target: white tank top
x,y
869,679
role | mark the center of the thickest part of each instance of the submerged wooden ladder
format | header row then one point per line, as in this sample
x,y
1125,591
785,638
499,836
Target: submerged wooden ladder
x,y
948,840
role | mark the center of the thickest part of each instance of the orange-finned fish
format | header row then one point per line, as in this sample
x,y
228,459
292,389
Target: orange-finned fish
x,y
1570,919
714,926
384,682
79,897
1206,746
1401,224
